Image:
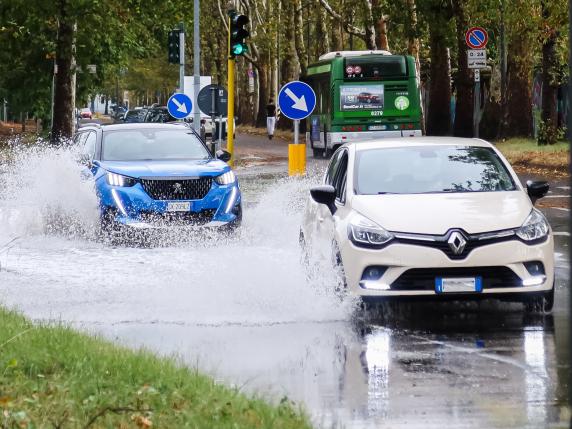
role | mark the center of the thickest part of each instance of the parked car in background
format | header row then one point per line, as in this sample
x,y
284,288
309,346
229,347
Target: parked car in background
x,y
135,116
432,218
159,114
85,113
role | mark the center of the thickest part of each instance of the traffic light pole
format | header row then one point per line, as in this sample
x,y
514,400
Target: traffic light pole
x,y
197,67
182,58
230,108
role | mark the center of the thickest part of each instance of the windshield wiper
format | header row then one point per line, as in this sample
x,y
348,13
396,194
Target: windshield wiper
x,y
386,193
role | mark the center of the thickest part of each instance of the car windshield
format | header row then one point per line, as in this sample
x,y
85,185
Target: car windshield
x,y
430,169
152,144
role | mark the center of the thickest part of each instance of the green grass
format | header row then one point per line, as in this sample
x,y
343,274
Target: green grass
x,y
53,376
530,145
546,159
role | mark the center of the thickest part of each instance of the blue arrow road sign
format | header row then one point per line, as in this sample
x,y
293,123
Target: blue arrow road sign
x,y
296,100
179,105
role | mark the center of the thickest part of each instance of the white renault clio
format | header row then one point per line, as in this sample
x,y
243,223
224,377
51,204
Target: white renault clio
x,y
435,218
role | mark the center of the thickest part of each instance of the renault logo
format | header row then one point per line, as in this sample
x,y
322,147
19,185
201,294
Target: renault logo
x,y
457,242
177,188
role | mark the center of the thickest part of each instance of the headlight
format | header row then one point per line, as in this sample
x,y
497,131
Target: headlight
x,y
534,227
365,232
114,179
226,178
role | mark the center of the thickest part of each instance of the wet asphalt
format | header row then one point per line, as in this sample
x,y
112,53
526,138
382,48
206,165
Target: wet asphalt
x,y
481,365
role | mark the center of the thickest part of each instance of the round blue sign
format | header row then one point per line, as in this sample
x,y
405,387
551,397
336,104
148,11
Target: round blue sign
x,y
179,105
296,100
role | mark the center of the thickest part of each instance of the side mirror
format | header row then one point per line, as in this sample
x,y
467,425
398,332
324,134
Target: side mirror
x,y
537,189
326,195
223,155
85,159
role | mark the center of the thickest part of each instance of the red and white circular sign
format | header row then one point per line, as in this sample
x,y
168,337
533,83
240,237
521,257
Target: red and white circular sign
x,y
476,37
357,69
349,70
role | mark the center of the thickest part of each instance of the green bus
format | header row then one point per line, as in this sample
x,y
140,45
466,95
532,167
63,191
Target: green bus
x,y
362,95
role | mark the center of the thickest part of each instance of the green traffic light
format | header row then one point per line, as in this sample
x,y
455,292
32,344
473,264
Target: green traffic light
x,y
239,49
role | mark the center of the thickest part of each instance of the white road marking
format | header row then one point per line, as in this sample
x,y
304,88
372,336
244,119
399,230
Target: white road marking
x,y
557,196
559,208
562,233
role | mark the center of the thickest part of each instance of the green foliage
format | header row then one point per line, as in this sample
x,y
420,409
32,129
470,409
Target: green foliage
x,y
549,133
51,376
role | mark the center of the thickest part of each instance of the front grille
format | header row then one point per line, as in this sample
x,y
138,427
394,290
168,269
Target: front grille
x,y
424,278
178,218
177,188
441,243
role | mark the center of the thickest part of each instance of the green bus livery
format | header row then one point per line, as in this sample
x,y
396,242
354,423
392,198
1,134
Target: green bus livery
x,y
362,95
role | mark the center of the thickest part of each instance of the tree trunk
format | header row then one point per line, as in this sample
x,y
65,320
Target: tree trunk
x,y
549,114
299,37
382,33
322,32
518,97
369,26
463,82
439,110
63,96
263,96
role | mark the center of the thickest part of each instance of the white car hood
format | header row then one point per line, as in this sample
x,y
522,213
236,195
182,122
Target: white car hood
x,y
474,212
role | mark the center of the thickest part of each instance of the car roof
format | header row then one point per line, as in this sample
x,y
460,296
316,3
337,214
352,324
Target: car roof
x,y
145,126
398,142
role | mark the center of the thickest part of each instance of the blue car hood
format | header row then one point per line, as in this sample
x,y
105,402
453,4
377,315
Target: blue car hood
x,y
165,168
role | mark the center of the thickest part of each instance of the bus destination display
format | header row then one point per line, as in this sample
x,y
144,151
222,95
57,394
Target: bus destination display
x,y
361,97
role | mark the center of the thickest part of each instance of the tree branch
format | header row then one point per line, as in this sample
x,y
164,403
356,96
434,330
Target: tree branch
x,y
350,29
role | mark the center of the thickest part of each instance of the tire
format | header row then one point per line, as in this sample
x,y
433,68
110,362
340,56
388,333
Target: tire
x,y
318,153
338,265
541,303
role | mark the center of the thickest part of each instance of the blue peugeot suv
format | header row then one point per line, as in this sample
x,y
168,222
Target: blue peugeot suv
x,y
150,175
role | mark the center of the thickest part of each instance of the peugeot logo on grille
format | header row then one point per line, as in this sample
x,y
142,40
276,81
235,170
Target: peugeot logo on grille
x,y
457,242
177,188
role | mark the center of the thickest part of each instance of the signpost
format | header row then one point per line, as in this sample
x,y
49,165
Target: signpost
x,y
476,39
179,105
213,101
296,101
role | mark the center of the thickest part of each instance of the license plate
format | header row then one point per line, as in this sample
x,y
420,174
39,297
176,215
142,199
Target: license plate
x,y
377,127
179,207
458,284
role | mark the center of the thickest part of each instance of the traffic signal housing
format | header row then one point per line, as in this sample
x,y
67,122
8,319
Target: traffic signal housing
x,y
238,34
174,47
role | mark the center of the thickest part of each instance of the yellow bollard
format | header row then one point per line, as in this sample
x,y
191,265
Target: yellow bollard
x,y
296,159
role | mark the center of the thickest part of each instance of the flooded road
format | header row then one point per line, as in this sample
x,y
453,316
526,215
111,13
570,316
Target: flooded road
x,y
244,311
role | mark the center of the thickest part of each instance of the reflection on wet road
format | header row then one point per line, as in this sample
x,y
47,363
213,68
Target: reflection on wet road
x,y
243,310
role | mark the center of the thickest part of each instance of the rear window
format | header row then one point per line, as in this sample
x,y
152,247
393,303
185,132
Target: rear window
x,y
430,169
152,144
375,67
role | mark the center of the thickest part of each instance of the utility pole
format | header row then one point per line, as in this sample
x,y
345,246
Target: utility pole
x,y
197,66
230,106
182,57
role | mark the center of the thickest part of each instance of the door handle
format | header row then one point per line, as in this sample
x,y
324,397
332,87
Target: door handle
x,y
320,219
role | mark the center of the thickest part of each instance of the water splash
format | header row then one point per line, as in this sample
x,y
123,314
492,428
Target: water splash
x,y
253,278
42,190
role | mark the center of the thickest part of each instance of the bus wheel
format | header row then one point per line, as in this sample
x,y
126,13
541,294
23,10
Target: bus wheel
x,y
318,153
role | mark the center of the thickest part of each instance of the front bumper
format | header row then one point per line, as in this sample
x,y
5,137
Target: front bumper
x,y
133,207
400,258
